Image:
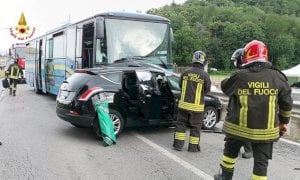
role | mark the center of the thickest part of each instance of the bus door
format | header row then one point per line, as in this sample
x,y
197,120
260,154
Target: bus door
x,y
38,66
87,45
42,47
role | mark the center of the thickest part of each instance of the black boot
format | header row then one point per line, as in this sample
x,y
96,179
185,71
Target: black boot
x,y
178,145
14,93
194,148
224,176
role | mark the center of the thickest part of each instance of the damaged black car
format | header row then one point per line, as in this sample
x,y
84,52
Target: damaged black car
x,y
137,96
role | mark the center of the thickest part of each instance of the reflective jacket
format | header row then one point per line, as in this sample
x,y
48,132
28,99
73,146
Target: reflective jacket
x,y
194,83
259,98
13,71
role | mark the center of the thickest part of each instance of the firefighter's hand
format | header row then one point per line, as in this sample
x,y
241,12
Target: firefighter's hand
x,y
282,129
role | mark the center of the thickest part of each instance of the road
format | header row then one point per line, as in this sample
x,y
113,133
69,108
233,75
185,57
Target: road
x,y
38,145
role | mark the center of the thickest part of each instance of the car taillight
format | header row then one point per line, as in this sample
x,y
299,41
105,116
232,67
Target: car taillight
x,y
89,93
74,112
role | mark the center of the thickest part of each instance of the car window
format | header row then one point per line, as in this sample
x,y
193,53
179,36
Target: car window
x,y
174,82
115,77
146,78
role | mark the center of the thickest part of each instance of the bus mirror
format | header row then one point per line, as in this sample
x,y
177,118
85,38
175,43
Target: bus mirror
x,y
99,27
171,35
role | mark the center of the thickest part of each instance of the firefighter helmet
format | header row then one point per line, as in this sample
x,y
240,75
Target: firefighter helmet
x,y
255,51
236,57
199,56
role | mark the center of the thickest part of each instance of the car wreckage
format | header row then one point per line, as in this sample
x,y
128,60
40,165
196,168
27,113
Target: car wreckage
x,y
139,94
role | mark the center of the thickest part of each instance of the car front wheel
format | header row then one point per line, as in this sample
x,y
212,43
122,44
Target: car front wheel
x,y
210,118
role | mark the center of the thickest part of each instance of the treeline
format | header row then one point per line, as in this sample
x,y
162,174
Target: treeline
x,y
218,27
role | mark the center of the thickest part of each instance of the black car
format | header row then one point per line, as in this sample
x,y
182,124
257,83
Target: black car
x,y
137,96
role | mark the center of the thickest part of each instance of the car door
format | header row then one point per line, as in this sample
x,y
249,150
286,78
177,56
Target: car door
x,y
173,80
149,95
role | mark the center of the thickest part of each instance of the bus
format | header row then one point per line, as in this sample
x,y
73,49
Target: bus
x,y
93,42
17,51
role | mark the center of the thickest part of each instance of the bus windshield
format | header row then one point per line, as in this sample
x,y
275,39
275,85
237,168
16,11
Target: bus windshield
x,y
129,38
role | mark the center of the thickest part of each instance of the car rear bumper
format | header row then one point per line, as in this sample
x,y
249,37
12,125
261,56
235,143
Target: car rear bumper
x,y
80,120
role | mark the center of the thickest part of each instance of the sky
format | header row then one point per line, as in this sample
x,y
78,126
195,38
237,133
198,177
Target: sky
x,y
46,15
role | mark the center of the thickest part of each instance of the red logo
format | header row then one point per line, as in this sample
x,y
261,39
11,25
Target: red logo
x,y
22,31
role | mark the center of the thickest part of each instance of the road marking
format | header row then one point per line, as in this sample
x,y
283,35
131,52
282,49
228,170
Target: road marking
x,y
289,141
175,158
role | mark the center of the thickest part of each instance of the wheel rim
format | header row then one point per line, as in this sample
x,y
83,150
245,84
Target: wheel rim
x,y
116,122
210,118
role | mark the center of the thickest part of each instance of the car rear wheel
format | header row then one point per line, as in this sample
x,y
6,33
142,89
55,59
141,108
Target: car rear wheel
x,y
118,122
210,118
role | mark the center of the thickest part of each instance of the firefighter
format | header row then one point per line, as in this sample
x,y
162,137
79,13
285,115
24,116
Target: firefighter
x,y
13,72
194,83
236,58
259,110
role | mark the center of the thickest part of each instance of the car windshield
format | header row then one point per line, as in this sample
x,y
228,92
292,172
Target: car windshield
x,y
135,38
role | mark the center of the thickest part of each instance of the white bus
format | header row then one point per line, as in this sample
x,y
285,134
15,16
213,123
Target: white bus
x,y
93,42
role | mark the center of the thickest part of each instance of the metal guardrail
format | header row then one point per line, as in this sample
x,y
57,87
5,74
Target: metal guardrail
x,y
295,110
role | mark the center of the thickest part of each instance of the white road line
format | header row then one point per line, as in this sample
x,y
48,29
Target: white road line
x,y
289,141
175,158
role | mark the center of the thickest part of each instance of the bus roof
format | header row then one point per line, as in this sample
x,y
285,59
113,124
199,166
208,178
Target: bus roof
x,y
112,15
128,15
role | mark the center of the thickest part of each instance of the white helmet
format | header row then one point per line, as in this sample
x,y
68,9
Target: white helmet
x,y
199,57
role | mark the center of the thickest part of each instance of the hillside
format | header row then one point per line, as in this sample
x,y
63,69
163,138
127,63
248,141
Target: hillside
x,y
218,27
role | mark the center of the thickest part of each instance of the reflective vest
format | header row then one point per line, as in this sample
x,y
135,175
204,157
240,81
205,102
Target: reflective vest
x,y
195,83
14,71
259,99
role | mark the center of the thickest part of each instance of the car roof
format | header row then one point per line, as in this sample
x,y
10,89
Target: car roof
x,y
115,67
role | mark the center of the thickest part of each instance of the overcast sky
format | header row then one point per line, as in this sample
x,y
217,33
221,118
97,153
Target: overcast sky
x,y
46,15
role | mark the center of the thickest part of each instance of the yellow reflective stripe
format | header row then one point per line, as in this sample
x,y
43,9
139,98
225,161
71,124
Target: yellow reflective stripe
x,y
198,93
284,113
256,177
229,159
194,140
272,108
191,106
228,162
243,111
180,136
183,89
254,134
228,166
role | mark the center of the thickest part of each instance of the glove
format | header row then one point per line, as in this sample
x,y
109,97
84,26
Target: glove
x,y
282,129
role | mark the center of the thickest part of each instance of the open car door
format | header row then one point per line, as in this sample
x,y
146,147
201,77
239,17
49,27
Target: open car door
x,y
149,95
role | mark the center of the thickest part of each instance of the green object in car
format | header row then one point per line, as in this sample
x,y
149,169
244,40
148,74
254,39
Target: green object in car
x,y
106,125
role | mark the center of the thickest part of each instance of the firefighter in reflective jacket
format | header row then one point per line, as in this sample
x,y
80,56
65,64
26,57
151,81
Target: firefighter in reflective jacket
x,y
260,107
13,72
194,83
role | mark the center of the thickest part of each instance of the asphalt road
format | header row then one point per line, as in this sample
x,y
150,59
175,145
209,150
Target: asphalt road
x,y
38,145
